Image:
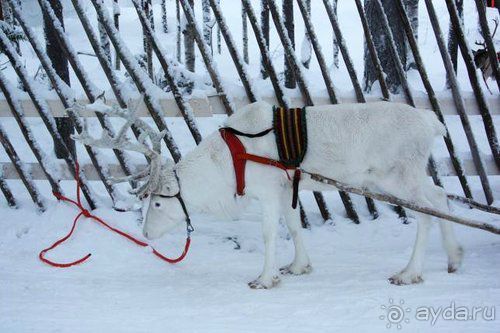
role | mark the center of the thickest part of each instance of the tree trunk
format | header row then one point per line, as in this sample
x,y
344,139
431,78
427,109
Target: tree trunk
x,y
264,23
164,22
453,42
189,52
290,30
207,29
335,42
60,64
412,10
382,44
116,20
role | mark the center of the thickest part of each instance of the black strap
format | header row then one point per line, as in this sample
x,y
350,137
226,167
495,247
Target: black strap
x,y
249,135
189,226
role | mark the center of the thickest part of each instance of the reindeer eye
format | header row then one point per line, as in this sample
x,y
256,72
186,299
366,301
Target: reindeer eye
x,y
157,205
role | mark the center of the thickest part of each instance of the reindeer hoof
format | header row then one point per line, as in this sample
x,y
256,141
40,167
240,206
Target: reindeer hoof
x,y
404,278
455,261
264,283
295,269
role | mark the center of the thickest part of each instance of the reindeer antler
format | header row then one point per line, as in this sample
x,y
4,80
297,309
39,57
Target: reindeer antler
x,y
151,174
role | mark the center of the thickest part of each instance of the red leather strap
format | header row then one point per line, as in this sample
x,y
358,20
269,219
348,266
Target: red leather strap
x,y
236,148
240,157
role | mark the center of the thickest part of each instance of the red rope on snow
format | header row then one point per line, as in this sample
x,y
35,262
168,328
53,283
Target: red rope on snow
x,y
84,212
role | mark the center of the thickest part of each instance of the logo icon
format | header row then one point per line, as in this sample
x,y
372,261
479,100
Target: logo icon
x,y
395,314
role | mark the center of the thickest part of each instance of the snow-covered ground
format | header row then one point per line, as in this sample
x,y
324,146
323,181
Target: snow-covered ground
x,y
123,288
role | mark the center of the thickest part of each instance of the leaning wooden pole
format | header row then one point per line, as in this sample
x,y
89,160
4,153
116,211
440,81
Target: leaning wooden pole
x,y
326,74
459,102
44,112
166,64
17,112
489,125
231,46
91,91
207,57
7,193
21,170
432,96
410,205
62,92
140,78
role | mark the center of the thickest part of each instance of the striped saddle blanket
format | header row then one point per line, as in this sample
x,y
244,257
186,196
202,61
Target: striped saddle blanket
x,y
290,129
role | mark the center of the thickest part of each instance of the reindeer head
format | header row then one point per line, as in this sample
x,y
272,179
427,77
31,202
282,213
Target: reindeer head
x,y
159,181
165,209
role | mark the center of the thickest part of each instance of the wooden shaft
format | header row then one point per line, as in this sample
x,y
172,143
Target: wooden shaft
x,y
404,203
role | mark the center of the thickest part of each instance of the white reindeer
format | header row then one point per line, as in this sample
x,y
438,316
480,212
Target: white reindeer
x,y
381,146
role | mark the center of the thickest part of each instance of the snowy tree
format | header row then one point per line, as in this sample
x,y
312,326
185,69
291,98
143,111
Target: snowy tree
x,y
452,39
264,23
164,22
306,48
382,43
412,10
207,24
290,29
60,64
244,33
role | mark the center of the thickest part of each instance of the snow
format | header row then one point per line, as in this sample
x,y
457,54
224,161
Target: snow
x,y
124,288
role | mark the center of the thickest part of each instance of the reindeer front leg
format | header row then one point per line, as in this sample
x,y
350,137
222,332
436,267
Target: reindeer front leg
x,y
271,215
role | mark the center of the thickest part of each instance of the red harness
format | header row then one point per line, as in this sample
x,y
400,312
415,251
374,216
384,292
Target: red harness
x,y
240,157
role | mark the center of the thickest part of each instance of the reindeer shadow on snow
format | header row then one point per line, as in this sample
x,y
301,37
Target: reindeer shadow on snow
x,y
382,146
